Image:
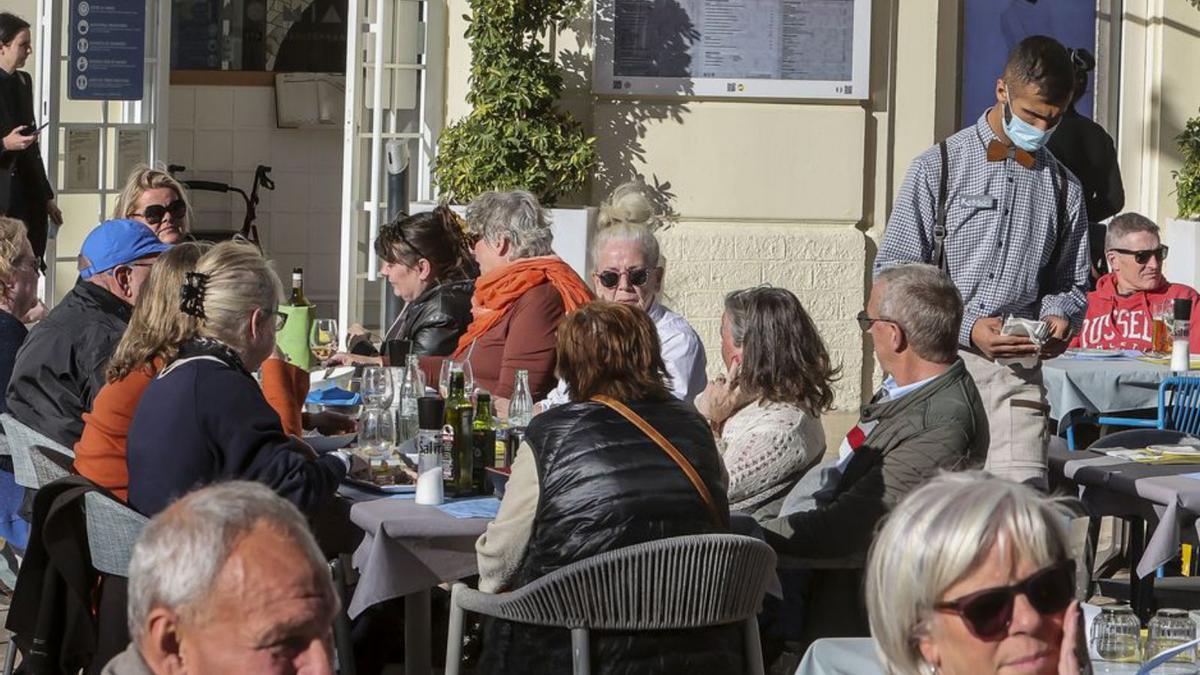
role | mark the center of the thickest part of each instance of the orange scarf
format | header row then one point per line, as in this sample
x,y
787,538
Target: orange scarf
x,y
496,291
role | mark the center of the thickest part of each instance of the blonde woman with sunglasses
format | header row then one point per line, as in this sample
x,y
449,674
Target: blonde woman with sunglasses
x,y
155,198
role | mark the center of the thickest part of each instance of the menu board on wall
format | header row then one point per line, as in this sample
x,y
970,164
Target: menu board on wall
x,y
737,48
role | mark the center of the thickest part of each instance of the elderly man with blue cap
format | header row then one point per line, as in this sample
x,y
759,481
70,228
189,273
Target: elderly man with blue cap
x,y
60,368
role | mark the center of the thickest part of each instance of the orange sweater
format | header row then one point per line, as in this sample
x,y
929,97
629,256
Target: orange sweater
x,y
100,452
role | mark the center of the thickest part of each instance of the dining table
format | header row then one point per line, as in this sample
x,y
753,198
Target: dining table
x,y
408,549
1097,382
1161,501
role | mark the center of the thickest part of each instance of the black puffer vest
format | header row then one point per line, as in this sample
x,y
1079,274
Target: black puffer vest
x,y
605,485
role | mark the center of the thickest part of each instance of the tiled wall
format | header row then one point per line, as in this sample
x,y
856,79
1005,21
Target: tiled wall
x,y
223,133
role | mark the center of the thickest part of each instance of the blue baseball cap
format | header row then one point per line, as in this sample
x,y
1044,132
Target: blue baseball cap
x,y
118,242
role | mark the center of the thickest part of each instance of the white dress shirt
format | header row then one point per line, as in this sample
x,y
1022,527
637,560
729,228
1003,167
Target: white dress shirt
x,y
682,353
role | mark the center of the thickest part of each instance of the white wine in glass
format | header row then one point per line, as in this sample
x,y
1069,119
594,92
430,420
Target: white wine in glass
x,y
322,339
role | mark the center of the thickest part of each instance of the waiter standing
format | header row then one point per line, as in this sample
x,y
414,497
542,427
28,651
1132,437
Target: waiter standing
x,y
25,193
996,210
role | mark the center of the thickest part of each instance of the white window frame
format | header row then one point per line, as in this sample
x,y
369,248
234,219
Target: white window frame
x,y
150,113
363,199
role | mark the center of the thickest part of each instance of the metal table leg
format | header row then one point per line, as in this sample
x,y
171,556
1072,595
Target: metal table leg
x,y
1141,590
417,634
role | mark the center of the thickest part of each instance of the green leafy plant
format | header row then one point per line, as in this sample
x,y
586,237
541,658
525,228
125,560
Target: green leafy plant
x,y
515,136
1187,178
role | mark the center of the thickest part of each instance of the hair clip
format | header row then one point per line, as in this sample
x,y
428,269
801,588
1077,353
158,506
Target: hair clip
x,y
191,294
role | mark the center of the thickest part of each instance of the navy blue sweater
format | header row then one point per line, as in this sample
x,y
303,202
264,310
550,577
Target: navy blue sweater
x,y
205,421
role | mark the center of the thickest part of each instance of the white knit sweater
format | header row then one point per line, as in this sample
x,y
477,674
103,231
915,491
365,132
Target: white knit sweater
x,y
767,446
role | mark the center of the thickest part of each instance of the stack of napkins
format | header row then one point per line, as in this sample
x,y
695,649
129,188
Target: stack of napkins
x,y
1158,454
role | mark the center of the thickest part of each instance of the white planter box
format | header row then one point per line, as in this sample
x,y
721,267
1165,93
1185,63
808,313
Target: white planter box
x,y
1183,265
574,230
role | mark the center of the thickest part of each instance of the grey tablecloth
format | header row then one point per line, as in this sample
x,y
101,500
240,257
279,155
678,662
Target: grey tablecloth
x,y
409,548
1109,486
1101,385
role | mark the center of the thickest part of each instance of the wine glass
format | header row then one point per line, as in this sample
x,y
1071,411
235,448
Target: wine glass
x,y
444,378
450,366
323,338
376,434
377,387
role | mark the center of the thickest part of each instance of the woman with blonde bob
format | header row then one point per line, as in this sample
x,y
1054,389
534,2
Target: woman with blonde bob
x,y
971,575
155,198
203,418
587,480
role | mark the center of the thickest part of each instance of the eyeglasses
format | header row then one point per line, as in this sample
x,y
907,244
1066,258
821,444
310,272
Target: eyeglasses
x,y
988,613
280,320
155,213
864,320
1143,257
638,276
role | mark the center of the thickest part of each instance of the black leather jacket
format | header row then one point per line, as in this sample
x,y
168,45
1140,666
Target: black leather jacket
x,y
603,485
434,321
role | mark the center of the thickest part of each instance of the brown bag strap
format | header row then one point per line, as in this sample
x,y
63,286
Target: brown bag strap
x,y
672,452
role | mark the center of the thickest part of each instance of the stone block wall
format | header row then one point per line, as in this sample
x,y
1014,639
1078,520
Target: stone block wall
x,y
822,265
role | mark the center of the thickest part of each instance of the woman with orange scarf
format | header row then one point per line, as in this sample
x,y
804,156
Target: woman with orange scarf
x,y
521,294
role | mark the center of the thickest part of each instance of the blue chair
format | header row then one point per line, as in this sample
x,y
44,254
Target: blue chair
x,y
1180,413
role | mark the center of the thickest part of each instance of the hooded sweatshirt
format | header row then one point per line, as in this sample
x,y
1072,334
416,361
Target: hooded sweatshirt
x,y
1116,321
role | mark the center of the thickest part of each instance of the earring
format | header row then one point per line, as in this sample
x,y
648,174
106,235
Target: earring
x,y
930,668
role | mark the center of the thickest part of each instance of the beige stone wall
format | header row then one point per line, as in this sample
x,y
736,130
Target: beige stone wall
x,y
823,265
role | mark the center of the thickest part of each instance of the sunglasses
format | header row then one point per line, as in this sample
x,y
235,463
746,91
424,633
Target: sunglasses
x,y
1143,257
638,276
864,320
155,213
988,613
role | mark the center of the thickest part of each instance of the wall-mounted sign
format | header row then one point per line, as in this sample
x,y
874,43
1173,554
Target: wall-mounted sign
x,y
108,50
133,149
81,170
817,49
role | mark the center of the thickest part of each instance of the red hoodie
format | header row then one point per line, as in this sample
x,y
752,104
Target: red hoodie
x,y
1116,321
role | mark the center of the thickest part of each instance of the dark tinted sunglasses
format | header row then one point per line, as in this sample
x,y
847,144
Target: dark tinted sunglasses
x,y
988,613
1143,257
155,213
638,276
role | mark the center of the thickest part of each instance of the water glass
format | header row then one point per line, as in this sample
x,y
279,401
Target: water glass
x,y
1116,634
323,339
377,387
1170,628
376,433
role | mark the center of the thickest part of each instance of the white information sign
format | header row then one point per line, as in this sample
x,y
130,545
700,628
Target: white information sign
x,y
82,160
817,49
133,149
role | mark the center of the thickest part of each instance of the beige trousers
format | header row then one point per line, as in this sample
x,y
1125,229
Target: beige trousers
x,y
1017,411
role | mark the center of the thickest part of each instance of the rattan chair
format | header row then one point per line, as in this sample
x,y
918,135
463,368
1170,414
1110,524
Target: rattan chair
x,y
677,583
31,468
112,529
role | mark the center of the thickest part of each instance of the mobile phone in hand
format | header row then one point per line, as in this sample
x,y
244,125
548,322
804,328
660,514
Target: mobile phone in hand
x,y
29,129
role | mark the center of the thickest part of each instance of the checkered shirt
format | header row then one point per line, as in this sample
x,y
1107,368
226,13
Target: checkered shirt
x,y
995,255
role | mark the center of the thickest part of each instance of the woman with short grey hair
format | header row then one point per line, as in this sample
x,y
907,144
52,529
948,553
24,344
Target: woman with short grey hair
x,y
521,294
970,575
